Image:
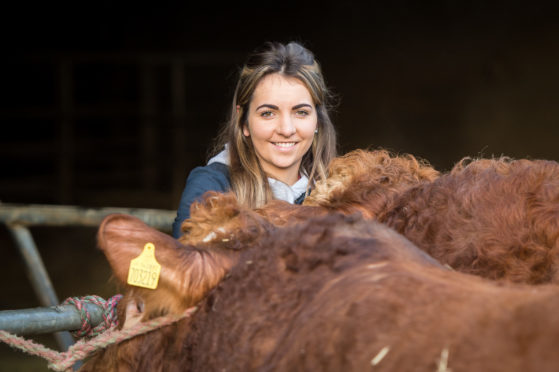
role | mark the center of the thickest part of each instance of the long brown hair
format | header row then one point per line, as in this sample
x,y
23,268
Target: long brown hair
x,y
248,180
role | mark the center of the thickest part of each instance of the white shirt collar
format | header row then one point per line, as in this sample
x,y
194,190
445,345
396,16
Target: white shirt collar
x,y
288,193
222,157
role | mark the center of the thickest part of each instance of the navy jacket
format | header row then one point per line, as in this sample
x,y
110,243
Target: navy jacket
x,y
212,177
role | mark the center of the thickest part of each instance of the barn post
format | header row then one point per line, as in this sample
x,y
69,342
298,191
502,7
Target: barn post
x,y
149,131
65,132
178,87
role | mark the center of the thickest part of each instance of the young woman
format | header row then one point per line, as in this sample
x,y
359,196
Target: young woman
x,y
279,139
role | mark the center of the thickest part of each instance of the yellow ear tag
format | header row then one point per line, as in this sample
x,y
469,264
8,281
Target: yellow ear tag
x,y
144,270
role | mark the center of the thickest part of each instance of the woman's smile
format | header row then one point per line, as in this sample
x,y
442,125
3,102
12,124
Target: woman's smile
x,y
285,145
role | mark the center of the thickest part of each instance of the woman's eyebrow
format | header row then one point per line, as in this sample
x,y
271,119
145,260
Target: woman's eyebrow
x,y
273,107
301,105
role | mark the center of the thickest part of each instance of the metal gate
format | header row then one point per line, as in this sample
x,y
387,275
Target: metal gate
x,y
18,219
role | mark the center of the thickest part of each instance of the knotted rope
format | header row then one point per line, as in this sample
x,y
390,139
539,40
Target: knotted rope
x,y
83,348
110,318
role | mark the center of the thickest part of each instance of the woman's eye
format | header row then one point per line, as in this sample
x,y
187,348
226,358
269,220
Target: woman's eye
x,y
302,113
266,114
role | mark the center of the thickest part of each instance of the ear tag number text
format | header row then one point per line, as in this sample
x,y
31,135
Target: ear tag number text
x,y
144,270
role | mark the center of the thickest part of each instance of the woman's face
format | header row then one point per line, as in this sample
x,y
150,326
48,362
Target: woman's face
x,y
281,122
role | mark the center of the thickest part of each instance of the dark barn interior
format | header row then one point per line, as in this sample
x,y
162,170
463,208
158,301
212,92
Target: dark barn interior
x,y
112,104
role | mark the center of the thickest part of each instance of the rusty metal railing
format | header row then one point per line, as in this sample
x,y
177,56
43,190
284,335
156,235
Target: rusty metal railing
x,y
17,219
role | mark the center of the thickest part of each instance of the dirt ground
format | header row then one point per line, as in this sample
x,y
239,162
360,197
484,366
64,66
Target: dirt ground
x,y
76,268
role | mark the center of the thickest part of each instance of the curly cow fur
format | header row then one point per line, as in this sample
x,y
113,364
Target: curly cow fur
x,y
498,218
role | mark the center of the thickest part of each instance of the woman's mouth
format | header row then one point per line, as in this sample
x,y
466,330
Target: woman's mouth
x,y
285,144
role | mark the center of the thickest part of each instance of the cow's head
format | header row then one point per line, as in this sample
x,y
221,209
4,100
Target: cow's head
x,y
187,272
219,218
364,181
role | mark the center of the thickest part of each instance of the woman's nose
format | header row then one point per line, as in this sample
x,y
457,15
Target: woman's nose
x,y
286,126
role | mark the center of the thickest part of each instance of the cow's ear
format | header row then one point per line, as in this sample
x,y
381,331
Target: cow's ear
x,y
122,238
186,273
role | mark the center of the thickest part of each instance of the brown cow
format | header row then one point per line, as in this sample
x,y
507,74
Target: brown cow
x,y
333,293
498,218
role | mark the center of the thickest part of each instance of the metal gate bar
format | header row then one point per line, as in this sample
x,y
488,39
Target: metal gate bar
x,y
36,271
47,319
38,276
62,215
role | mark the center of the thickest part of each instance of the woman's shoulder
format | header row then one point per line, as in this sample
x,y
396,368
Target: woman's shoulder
x,y
213,174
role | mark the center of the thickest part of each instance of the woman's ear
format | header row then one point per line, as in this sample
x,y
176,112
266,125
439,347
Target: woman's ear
x,y
246,132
